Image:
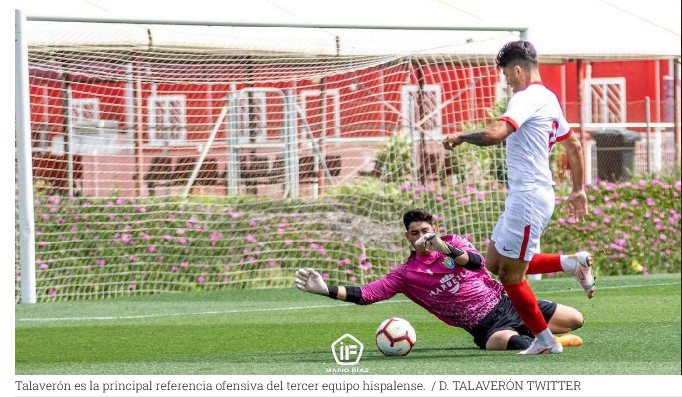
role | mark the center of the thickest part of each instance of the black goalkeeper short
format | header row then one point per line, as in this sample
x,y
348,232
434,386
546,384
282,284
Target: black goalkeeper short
x,y
505,317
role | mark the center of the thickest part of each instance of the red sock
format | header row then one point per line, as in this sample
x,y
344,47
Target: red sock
x,y
544,263
524,301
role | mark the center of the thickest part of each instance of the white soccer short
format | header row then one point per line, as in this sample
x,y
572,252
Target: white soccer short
x,y
525,216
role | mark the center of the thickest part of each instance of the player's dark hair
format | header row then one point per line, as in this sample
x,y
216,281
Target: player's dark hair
x,y
417,215
520,53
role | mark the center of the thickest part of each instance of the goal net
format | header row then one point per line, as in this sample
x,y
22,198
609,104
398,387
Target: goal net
x,y
187,158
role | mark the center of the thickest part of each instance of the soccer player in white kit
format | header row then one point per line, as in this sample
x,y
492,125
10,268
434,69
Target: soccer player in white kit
x,y
532,125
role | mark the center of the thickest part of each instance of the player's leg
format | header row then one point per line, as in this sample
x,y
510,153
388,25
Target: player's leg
x,y
526,214
561,319
492,259
579,265
512,276
565,319
508,340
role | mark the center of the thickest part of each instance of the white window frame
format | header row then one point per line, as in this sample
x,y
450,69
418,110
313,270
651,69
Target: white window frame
x,y
260,98
405,95
152,105
335,97
78,109
622,99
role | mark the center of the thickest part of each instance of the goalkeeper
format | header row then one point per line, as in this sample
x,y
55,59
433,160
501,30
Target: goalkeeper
x,y
446,275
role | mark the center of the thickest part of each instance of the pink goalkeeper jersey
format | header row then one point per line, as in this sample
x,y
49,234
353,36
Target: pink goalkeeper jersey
x,y
456,295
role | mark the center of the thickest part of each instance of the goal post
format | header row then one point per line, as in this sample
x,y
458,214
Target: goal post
x,y
24,167
164,156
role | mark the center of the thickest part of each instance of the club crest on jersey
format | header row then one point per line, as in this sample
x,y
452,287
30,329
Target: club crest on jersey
x,y
449,263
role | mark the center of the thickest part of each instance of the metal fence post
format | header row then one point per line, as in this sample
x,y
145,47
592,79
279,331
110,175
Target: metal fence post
x,y
647,106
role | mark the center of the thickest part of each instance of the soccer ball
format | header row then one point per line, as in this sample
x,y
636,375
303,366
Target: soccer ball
x,y
395,337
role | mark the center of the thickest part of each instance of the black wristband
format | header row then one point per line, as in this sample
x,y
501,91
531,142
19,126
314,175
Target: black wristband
x,y
454,252
333,291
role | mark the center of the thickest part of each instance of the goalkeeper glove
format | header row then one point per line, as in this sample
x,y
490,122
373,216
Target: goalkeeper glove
x,y
310,280
431,241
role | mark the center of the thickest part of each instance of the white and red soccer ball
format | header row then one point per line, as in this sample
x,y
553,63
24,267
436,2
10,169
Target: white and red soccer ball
x,y
395,337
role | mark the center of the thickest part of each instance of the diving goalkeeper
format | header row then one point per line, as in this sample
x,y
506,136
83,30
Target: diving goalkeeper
x,y
446,275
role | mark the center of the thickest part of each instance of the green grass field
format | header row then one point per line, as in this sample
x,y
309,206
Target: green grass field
x,y
632,327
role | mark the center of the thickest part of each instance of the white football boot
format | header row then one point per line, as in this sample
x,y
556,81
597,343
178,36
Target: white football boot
x,y
537,348
583,272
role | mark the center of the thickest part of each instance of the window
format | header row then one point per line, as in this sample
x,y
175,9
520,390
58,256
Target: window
x,y
432,108
310,99
252,116
167,121
84,111
606,100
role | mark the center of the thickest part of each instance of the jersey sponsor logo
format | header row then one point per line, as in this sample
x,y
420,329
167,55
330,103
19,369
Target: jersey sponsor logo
x,y
449,263
447,278
449,283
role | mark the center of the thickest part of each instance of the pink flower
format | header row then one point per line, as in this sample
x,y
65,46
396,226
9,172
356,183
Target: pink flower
x,y
53,292
325,276
650,202
182,240
44,267
288,242
131,286
353,279
184,265
151,249
250,238
200,280
175,269
180,231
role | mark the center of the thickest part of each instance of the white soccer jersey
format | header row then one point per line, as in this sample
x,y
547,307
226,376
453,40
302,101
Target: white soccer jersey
x,y
539,124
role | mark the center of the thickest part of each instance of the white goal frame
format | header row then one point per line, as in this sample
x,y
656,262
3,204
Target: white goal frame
x,y
23,129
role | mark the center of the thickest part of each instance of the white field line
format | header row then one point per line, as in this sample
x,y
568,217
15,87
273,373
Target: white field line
x,y
146,316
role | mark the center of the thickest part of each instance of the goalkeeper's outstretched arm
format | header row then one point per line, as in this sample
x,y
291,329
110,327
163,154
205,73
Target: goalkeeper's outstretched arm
x,y
309,280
